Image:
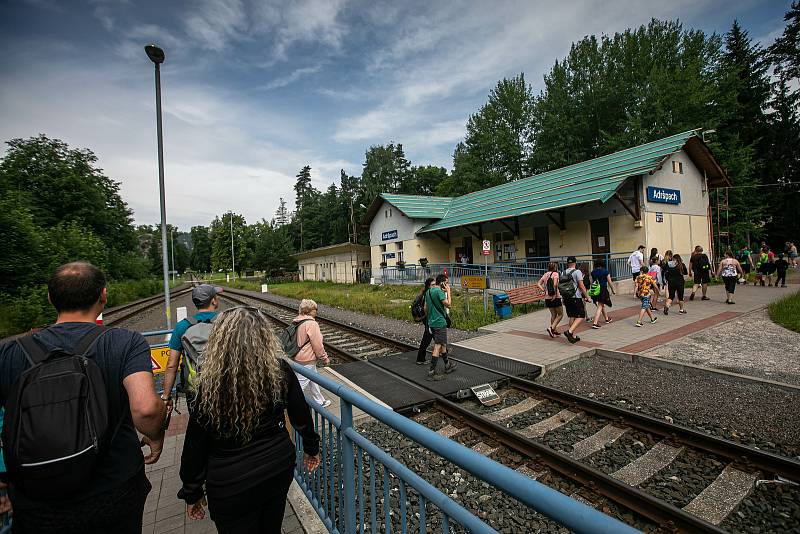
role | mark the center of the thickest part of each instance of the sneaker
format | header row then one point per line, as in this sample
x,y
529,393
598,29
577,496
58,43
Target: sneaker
x,y
666,310
570,337
609,320
326,403
450,367
654,319
691,297
595,327
589,319
682,311
638,324
731,302
705,298
435,377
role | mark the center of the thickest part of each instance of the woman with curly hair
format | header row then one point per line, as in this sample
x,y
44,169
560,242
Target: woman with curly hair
x,y
237,445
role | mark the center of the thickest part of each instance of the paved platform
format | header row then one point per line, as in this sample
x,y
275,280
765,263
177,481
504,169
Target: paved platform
x,y
525,338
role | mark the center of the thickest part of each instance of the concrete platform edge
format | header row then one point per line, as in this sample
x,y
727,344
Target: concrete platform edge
x,y
545,368
680,366
305,513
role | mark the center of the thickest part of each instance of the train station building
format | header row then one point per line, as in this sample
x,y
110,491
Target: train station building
x,y
343,263
655,194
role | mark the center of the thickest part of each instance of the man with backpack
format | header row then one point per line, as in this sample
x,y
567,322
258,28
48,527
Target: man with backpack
x,y
574,294
75,395
189,338
420,316
437,300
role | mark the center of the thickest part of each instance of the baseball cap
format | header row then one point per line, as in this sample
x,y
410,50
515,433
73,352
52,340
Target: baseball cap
x,y
572,259
203,294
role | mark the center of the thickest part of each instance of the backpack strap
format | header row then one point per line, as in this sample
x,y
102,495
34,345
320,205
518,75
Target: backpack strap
x,y
297,326
33,350
86,342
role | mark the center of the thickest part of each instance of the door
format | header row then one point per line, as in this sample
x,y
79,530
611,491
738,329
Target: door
x,y
467,246
530,248
601,242
542,236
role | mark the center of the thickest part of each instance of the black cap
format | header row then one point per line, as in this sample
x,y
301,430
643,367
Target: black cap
x,y
572,259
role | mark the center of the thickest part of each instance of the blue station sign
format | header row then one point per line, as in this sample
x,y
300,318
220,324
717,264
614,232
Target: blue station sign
x,y
391,234
663,195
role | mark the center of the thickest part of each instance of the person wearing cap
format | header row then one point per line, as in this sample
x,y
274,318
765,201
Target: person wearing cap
x,y
574,304
204,297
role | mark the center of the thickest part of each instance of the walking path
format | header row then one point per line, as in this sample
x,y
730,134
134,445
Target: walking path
x,y
525,338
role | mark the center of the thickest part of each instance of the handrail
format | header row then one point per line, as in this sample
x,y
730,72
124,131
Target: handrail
x,y
557,506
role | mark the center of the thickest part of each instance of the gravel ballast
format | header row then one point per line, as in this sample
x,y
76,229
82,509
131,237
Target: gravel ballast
x,y
751,413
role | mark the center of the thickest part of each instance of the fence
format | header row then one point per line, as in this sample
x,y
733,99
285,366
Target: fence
x,y
505,275
359,487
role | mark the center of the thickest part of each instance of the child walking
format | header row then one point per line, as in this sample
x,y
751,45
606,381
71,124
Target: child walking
x,y
644,285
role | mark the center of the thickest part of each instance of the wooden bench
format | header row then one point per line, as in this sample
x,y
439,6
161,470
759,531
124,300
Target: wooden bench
x,y
525,294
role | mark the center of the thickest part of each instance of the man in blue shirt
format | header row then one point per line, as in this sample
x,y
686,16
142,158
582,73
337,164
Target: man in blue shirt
x,y
205,300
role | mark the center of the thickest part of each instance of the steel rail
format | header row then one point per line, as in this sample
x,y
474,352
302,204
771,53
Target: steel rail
x,y
630,497
149,302
767,462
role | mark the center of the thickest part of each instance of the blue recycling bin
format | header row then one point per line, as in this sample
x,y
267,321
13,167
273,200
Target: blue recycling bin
x,y
502,306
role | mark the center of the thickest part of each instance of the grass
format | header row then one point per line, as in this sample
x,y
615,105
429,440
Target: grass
x,y
786,312
386,300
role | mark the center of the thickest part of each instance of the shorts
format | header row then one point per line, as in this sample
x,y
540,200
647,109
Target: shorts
x,y
603,298
793,255
645,302
575,308
439,335
767,268
635,276
702,277
553,303
745,268
676,289
730,283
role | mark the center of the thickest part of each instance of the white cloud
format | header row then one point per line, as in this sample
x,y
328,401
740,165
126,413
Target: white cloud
x,y
290,78
213,23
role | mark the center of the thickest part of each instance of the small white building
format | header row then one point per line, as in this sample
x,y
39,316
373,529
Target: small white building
x,y
345,263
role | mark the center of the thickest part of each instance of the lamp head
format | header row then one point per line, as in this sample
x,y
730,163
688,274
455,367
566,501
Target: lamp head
x,y
155,54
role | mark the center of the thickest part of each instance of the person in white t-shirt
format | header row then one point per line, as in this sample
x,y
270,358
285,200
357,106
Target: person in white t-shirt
x,y
636,260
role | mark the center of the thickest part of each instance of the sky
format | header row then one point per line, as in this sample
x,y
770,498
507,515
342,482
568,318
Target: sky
x,y
254,90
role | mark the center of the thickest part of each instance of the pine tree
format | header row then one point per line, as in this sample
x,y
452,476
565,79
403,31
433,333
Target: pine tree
x,y
281,214
302,187
785,52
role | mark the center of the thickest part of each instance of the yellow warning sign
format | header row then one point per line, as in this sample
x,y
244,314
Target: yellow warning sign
x,y
159,357
473,282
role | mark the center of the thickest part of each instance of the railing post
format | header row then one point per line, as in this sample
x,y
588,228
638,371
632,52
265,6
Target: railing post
x,y
348,469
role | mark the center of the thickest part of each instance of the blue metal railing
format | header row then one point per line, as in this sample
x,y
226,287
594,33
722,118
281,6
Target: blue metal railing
x,y
344,490
503,275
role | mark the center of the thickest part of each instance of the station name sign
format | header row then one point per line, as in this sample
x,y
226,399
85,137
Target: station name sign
x,y
391,234
663,195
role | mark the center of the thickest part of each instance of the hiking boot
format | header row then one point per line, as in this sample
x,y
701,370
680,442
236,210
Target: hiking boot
x,y
450,367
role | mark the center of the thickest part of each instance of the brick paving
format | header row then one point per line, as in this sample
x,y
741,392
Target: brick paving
x,y
164,513
525,338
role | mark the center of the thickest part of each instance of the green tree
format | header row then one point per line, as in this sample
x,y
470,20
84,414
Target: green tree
x,y
785,51
22,262
423,180
200,257
220,237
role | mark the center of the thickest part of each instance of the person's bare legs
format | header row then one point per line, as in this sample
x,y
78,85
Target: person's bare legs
x,y
601,312
705,289
573,324
641,315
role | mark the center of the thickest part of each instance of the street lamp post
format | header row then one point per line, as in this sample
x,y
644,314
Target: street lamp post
x,y
172,253
157,56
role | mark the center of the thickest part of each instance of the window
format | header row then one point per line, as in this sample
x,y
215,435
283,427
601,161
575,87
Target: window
x,y
390,212
399,245
677,167
383,248
400,255
680,167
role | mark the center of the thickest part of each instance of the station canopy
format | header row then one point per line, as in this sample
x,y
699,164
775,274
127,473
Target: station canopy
x,y
595,180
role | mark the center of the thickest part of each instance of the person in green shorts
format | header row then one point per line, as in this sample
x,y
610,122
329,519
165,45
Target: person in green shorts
x,y
437,300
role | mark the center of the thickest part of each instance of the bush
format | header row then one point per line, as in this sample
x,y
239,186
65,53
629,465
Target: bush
x,y
29,309
786,312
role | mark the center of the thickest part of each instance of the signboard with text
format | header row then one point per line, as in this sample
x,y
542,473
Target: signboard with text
x,y
474,282
390,234
158,359
663,195
659,216
486,394
487,247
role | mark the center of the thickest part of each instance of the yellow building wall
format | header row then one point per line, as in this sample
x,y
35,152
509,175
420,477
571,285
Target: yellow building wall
x,y
699,231
576,239
339,268
625,237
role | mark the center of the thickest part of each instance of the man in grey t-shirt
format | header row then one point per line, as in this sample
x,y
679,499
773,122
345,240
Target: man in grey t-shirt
x,y
576,310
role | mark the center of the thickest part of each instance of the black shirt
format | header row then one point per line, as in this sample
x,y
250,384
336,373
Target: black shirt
x,y
229,466
700,263
781,265
118,353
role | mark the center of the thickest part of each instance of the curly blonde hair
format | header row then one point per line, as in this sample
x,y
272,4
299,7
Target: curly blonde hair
x,y
241,373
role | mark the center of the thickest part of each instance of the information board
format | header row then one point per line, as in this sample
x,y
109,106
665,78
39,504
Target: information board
x,y
390,234
158,358
487,247
486,394
663,195
473,282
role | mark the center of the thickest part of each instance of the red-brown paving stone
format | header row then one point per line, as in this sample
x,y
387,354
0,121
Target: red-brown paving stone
x,y
559,339
615,315
671,335
178,424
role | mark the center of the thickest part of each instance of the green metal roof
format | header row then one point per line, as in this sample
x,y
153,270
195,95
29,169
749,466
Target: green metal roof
x,y
589,181
419,207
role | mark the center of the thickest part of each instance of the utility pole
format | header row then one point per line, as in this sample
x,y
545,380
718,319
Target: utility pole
x,y
172,246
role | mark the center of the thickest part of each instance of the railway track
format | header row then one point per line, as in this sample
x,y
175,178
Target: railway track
x,y
120,314
533,415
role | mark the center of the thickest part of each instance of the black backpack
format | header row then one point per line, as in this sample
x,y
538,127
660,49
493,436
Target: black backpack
x,y
418,308
56,420
565,284
288,339
551,286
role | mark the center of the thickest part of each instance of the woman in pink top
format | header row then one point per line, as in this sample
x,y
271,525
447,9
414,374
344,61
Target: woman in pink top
x,y
309,339
552,298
